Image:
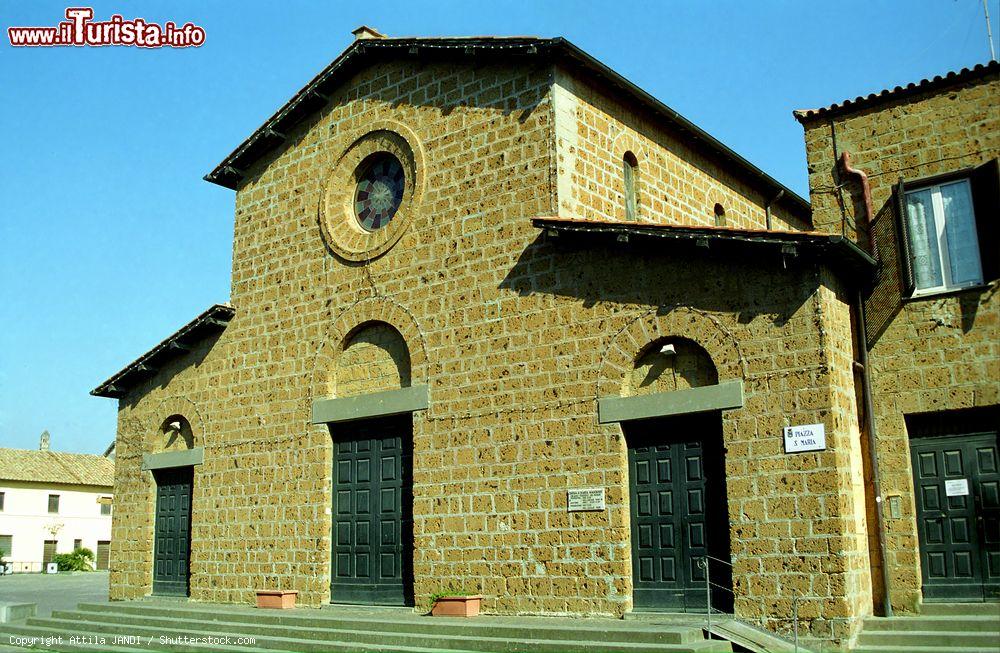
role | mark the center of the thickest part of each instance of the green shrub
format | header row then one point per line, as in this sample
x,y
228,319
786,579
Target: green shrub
x,y
80,560
451,590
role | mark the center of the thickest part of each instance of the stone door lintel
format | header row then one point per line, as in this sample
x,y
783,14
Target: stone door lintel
x,y
376,404
722,396
183,458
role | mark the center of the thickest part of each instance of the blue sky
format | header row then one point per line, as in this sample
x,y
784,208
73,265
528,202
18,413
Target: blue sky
x,y
111,240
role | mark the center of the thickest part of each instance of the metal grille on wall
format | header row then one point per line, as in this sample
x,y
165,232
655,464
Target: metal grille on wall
x,y
884,299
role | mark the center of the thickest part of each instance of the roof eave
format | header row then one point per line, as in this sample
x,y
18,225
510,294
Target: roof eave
x,y
231,170
227,174
74,483
835,250
860,103
213,320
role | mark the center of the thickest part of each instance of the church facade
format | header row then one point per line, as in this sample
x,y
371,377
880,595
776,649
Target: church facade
x,y
502,323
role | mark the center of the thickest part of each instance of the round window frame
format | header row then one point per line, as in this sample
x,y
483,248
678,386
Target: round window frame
x,y
339,224
364,170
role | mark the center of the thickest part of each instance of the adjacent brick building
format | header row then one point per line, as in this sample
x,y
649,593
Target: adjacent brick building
x,y
472,277
932,311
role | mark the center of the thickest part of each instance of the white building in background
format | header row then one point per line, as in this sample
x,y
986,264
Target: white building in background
x,y
53,502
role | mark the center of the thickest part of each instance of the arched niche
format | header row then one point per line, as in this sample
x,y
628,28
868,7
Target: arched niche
x,y
668,364
374,358
175,434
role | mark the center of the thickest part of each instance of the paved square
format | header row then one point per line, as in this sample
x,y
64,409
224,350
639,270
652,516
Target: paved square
x,y
55,591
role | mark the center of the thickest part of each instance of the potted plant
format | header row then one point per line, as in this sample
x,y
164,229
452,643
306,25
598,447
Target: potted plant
x,y
455,603
276,599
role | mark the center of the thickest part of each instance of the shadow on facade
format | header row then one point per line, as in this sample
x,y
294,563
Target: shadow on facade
x,y
191,359
667,275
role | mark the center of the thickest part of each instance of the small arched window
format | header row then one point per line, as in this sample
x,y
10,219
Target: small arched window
x,y
720,215
176,433
629,173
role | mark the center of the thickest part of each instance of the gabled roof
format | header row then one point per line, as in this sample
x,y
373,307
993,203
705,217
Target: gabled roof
x,y
363,52
887,95
213,320
56,467
832,249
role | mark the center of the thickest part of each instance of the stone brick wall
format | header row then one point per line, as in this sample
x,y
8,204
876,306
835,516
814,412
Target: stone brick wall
x,y
688,366
517,337
186,387
262,498
936,353
675,182
375,358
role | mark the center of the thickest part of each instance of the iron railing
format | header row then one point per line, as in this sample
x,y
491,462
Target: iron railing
x,y
705,563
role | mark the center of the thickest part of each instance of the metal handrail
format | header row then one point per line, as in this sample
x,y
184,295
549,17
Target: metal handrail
x,y
703,563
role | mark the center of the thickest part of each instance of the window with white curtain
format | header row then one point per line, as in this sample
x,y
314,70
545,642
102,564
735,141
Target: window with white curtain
x,y
943,240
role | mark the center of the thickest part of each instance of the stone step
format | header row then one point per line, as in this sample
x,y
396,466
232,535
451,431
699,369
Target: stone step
x,y
83,628
536,628
905,639
959,623
964,609
13,632
724,626
46,640
890,648
754,639
311,630
318,637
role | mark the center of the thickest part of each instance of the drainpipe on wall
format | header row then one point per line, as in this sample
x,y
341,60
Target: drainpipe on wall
x,y
866,192
872,451
862,363
767,207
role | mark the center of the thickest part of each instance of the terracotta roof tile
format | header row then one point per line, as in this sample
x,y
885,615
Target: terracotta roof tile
x,y
886,95
56,467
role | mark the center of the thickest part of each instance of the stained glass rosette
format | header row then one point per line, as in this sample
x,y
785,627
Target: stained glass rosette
x,y
379,192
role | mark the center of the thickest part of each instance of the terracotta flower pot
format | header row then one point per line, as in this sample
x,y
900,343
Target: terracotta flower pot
x,y
276,599
457,606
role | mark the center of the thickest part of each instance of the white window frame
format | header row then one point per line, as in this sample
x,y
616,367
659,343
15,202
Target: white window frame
x,y
942,240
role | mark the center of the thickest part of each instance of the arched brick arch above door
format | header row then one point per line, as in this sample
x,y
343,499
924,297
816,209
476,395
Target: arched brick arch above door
x,y
698,326
154,439
366,312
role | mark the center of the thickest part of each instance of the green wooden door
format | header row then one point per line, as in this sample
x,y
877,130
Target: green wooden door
x,y
678,512
172,546
957,484
372,512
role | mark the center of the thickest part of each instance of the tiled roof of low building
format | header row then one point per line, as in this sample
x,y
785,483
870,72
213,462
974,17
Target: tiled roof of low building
x,y
56,467
890,94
